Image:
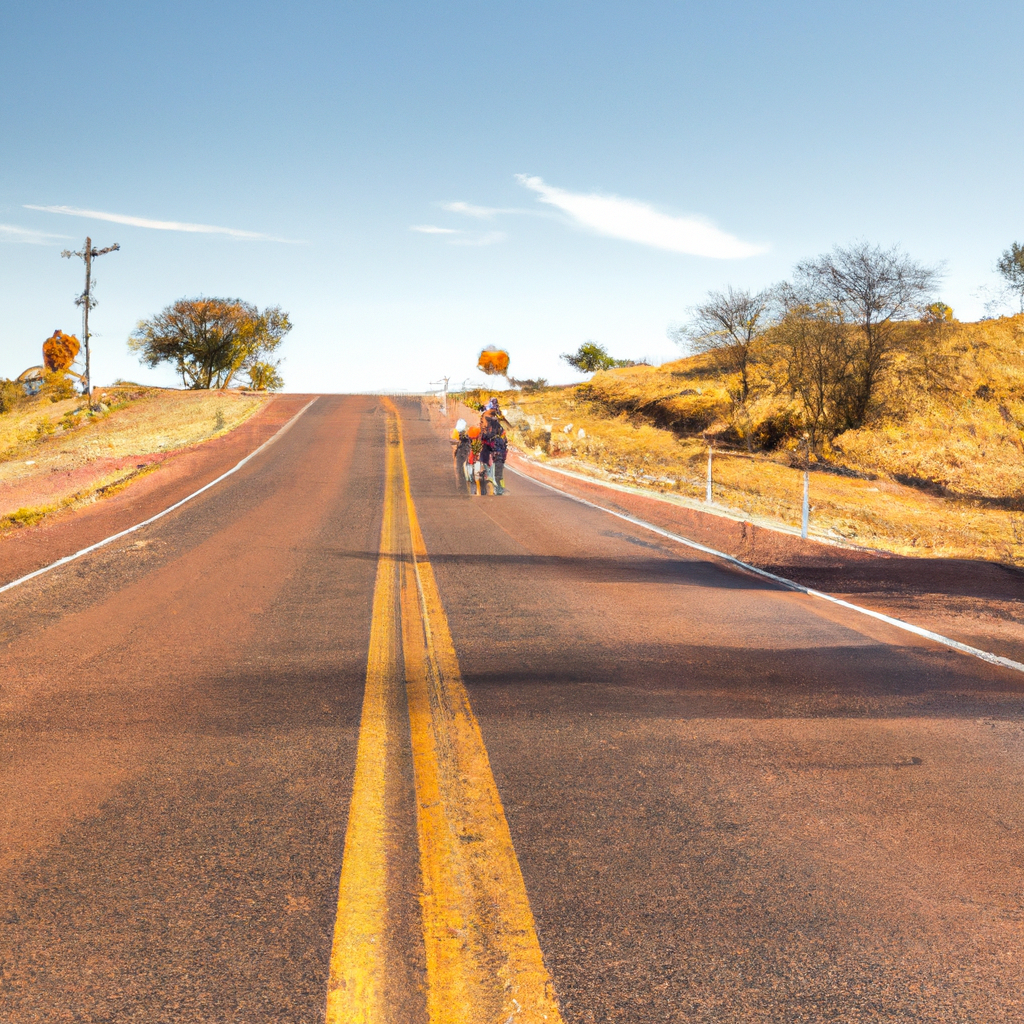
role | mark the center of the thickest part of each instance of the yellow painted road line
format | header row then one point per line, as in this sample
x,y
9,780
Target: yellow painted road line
x,y
483,955
357,988
456,985
483,959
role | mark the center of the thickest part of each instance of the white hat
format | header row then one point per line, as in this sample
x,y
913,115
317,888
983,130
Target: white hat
x,y
460,426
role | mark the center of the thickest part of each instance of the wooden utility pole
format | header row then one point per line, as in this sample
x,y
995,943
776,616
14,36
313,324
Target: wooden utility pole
x,y
85,300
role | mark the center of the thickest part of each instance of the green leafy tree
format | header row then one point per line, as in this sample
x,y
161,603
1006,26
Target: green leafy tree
x,y
265,377
938,313
591,357
1011,266
211,342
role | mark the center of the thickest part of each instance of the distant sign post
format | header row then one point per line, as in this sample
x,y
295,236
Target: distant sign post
x,y
85,300
444,394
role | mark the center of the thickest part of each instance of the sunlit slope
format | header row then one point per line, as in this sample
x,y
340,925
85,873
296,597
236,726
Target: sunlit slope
x,y
54,454
938,468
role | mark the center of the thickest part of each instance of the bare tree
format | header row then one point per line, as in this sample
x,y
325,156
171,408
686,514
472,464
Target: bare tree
x,y
1011,266
812,343
871,289
731,324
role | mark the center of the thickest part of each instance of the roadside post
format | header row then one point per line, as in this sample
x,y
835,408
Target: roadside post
x,y
86,301
711,448
444,395
806,509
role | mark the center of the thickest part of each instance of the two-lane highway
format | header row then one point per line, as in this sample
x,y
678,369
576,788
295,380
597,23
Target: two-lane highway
x,y
551,763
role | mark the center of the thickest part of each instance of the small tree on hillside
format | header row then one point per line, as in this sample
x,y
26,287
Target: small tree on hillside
x,y
819,363
265,376
1011,266
12,394
210,342
871,289
730,324
591,357
934,363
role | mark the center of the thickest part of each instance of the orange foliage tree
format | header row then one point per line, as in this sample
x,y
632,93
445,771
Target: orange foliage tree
x,y
59,351
493,361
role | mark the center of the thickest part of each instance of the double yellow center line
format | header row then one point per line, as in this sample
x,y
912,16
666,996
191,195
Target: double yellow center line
x,y
483,961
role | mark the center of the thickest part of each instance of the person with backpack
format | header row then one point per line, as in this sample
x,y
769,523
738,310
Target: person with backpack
x,y
497,445
478,461
461,446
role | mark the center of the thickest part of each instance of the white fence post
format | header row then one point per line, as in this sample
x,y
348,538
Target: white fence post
x,y
807,507
805,511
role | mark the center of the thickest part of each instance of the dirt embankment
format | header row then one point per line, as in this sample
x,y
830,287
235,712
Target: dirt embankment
x,y
56,455
32,543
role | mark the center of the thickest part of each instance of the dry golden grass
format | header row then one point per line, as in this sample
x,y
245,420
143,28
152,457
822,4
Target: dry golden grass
x,y
55,454
965,434
941,476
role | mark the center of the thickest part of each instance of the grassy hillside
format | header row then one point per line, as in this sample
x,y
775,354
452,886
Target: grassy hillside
x,y
54,455
939,469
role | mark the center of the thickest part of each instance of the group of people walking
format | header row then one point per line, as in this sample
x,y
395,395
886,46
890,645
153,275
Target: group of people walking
x,y
480,453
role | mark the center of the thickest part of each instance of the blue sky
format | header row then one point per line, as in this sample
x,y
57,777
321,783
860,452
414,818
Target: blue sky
x,y
582,170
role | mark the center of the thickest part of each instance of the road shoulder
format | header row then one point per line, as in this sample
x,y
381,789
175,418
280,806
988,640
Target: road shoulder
x,y
24,550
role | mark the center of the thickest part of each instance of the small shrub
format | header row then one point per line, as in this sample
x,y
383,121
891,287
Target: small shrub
x,y
776,428
539,438
264,376
12,394
25,516
57,387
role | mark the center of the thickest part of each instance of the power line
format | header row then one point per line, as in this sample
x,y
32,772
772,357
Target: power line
x,y
86,301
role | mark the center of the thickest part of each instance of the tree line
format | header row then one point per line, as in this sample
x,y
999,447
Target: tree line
x,y
851,329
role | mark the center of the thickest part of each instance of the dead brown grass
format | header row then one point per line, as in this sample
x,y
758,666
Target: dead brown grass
x,y
941,474
54,455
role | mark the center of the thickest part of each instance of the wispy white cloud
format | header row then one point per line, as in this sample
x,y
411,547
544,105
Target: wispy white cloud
x,y
12,233
433,229
157,225
635,221
479,212
456,236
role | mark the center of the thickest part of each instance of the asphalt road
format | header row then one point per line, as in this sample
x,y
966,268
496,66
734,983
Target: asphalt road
x,y
729,802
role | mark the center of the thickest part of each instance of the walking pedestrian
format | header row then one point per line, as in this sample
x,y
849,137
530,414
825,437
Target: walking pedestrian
x,y
460,452
496,445
479,461
499,453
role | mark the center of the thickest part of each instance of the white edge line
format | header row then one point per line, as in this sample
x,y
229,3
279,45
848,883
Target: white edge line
x,y
698,505
152,519
992,659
